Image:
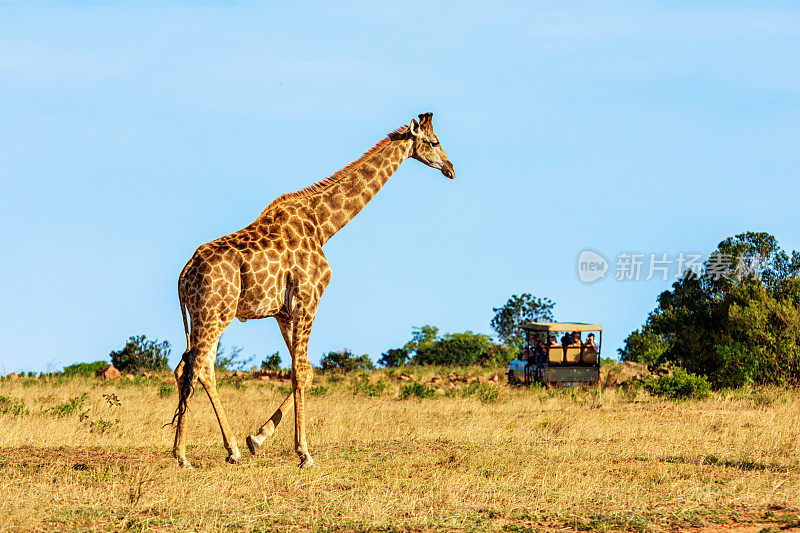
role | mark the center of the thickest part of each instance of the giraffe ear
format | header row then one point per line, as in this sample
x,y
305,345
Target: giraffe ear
x,y
414,128
425,119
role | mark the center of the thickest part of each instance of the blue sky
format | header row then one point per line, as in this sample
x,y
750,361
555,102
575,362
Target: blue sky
x,y
132,133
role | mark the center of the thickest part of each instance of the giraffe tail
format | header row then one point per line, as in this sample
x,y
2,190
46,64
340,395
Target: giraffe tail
x,y
182,300
187,379
186,386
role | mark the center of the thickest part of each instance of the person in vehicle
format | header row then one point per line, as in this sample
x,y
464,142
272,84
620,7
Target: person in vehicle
x,y
552,341
538,351
590,344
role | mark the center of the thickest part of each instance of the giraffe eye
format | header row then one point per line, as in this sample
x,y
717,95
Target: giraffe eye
x,y
433,143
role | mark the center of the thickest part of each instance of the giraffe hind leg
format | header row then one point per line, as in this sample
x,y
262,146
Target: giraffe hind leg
x,y
255,441
209,382
195,366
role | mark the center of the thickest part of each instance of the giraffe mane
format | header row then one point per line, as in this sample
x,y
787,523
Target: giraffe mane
x,y
336,176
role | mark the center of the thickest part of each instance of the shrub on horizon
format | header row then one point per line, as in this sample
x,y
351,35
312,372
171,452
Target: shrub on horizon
x,y
83,369
141,354
346,361
273,362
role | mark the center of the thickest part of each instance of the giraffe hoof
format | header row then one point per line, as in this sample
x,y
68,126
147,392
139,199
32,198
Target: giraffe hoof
x,y
252,445
308,463
186,465
234,459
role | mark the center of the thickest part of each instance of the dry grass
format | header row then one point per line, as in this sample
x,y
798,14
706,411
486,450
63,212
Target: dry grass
x,y
525,460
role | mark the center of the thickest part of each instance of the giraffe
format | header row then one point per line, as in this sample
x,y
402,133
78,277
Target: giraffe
x,y
275,267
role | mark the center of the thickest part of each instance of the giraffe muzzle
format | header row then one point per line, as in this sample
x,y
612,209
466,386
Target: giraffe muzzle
x,y
448,170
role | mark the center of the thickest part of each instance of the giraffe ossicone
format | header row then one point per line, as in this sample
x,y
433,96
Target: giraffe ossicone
x,y
275,267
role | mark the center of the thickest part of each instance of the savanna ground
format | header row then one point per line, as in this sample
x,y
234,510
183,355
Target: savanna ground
x,y
475,457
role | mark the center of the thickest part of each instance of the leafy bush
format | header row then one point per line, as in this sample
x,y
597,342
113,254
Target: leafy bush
x,y
366,388
498,354
681,385
629,390
102,426
12,406
273,362
83,369
112,400
140,354
417,390
345,361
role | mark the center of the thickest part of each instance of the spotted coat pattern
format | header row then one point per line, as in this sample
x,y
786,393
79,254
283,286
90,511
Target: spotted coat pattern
x,y
275,267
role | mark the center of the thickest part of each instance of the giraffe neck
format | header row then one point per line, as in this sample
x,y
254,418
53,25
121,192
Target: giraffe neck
x,y
337,202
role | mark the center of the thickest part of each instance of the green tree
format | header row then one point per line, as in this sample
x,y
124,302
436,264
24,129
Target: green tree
x,y
736,327
273,362
394,357
754,256
140,354
454,349
421,337
519,310
426,347
346,361
643,346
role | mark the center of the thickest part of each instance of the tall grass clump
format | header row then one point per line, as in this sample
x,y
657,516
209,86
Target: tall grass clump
x,y
483,391
365,387
12,406
416,390
72,406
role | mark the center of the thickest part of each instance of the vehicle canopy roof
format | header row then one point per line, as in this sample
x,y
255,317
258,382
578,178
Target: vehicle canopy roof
x,y
560,326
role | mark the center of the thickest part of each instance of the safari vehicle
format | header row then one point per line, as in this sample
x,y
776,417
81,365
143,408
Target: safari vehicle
x,y
567,362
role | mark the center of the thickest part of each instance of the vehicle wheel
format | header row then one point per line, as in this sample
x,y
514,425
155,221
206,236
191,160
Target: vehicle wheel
x,y
511,379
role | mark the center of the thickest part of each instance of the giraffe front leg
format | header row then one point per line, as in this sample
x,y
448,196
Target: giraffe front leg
x,y
255,441
301,379
302,319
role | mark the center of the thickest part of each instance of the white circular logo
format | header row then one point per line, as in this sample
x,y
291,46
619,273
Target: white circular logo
x,y
591,266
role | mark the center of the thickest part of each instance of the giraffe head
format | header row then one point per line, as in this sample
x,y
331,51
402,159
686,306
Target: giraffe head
x,y
426,147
